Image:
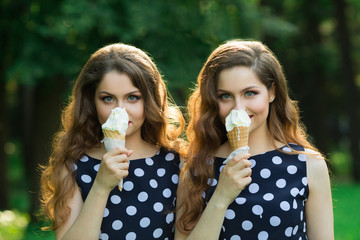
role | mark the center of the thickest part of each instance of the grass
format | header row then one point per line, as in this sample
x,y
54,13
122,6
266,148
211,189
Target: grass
x,y
346,199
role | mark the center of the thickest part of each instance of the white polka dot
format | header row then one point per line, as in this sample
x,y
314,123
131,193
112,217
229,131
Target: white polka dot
x,y
161,172
268,196
288,231
302,157
157,233
75,167
230,214
169,157
247,225
117,225
253,163
145,222
96,167
240,200
86,178
301,216
284,205
84,159
139,172
263,235
143,196
235,237
296,228
277,160
302,191
265,173
104,236
170,218
131,210
153,183
128,185
175,179
295,205
130,236
281,183
212,182
253,188
287,149
106,212
294,192
158,207
203,195
167,193
304,229
115,199
292,169
149,161
221,168
275,221
257,210
304,181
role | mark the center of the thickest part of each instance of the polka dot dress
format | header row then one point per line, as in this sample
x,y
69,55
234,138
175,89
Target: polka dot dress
x,y
272,206
144,209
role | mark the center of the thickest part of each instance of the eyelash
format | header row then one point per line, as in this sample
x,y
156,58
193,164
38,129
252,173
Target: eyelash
x,y
246,94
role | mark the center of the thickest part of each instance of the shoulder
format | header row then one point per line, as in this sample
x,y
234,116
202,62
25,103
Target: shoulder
x,y
316,167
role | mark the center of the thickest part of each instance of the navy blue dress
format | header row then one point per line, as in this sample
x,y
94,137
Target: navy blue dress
x,y
144,209
273,205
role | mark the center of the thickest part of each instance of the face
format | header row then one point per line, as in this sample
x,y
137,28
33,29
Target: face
x,y
240,88
117,90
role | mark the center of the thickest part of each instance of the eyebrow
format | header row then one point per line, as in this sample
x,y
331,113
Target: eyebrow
x,y
129,93
243,90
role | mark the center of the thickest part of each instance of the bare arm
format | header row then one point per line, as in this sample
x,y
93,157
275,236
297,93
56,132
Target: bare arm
x,y
318,208
233,178
85,219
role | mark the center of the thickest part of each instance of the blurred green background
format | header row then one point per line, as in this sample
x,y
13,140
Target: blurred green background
x,y
45,43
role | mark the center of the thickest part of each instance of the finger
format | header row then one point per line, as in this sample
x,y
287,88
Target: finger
x,y
237,158
117,150
130,152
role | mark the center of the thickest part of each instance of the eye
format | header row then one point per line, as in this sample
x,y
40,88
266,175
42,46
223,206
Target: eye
x,y
107,99
250,93
133,98
225,96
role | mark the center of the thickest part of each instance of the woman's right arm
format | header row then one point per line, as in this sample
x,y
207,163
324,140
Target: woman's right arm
x,y
85,219
234,177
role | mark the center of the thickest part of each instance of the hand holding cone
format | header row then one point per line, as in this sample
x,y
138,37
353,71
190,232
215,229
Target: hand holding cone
x,y
114,130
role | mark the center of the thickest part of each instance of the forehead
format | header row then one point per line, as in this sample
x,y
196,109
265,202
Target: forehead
x,y
237,77
115,81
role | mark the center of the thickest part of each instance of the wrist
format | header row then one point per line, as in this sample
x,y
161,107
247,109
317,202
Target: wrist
x,y
99,189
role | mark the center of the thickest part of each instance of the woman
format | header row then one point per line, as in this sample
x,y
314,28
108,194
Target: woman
x,y
79,185
280,189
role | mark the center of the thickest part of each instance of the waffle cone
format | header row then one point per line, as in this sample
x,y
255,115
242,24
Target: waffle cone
x,y
113,134
238,137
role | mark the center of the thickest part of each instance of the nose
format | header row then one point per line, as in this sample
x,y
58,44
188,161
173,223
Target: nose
x,y
238,104
120,104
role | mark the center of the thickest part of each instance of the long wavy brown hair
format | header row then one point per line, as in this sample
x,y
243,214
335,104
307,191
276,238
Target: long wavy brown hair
x,y
81,129
206,132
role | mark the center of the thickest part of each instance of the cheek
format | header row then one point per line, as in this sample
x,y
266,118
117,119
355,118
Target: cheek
x,y
224,110
260,107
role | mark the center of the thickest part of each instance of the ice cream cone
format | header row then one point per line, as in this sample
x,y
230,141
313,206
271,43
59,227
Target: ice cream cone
x,y
238,137
113,134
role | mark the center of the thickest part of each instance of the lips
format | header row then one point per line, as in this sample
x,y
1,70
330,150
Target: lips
x,y
251,116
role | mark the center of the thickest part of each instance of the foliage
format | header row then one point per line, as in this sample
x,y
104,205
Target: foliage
x,y
13,224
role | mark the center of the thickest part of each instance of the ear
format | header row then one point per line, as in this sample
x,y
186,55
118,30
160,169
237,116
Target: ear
x,y
272,93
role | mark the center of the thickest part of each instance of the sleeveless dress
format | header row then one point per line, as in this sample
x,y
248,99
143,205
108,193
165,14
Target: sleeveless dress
x,y
272,206
145,208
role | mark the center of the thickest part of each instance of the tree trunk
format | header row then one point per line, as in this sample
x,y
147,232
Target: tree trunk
x,y
351,91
